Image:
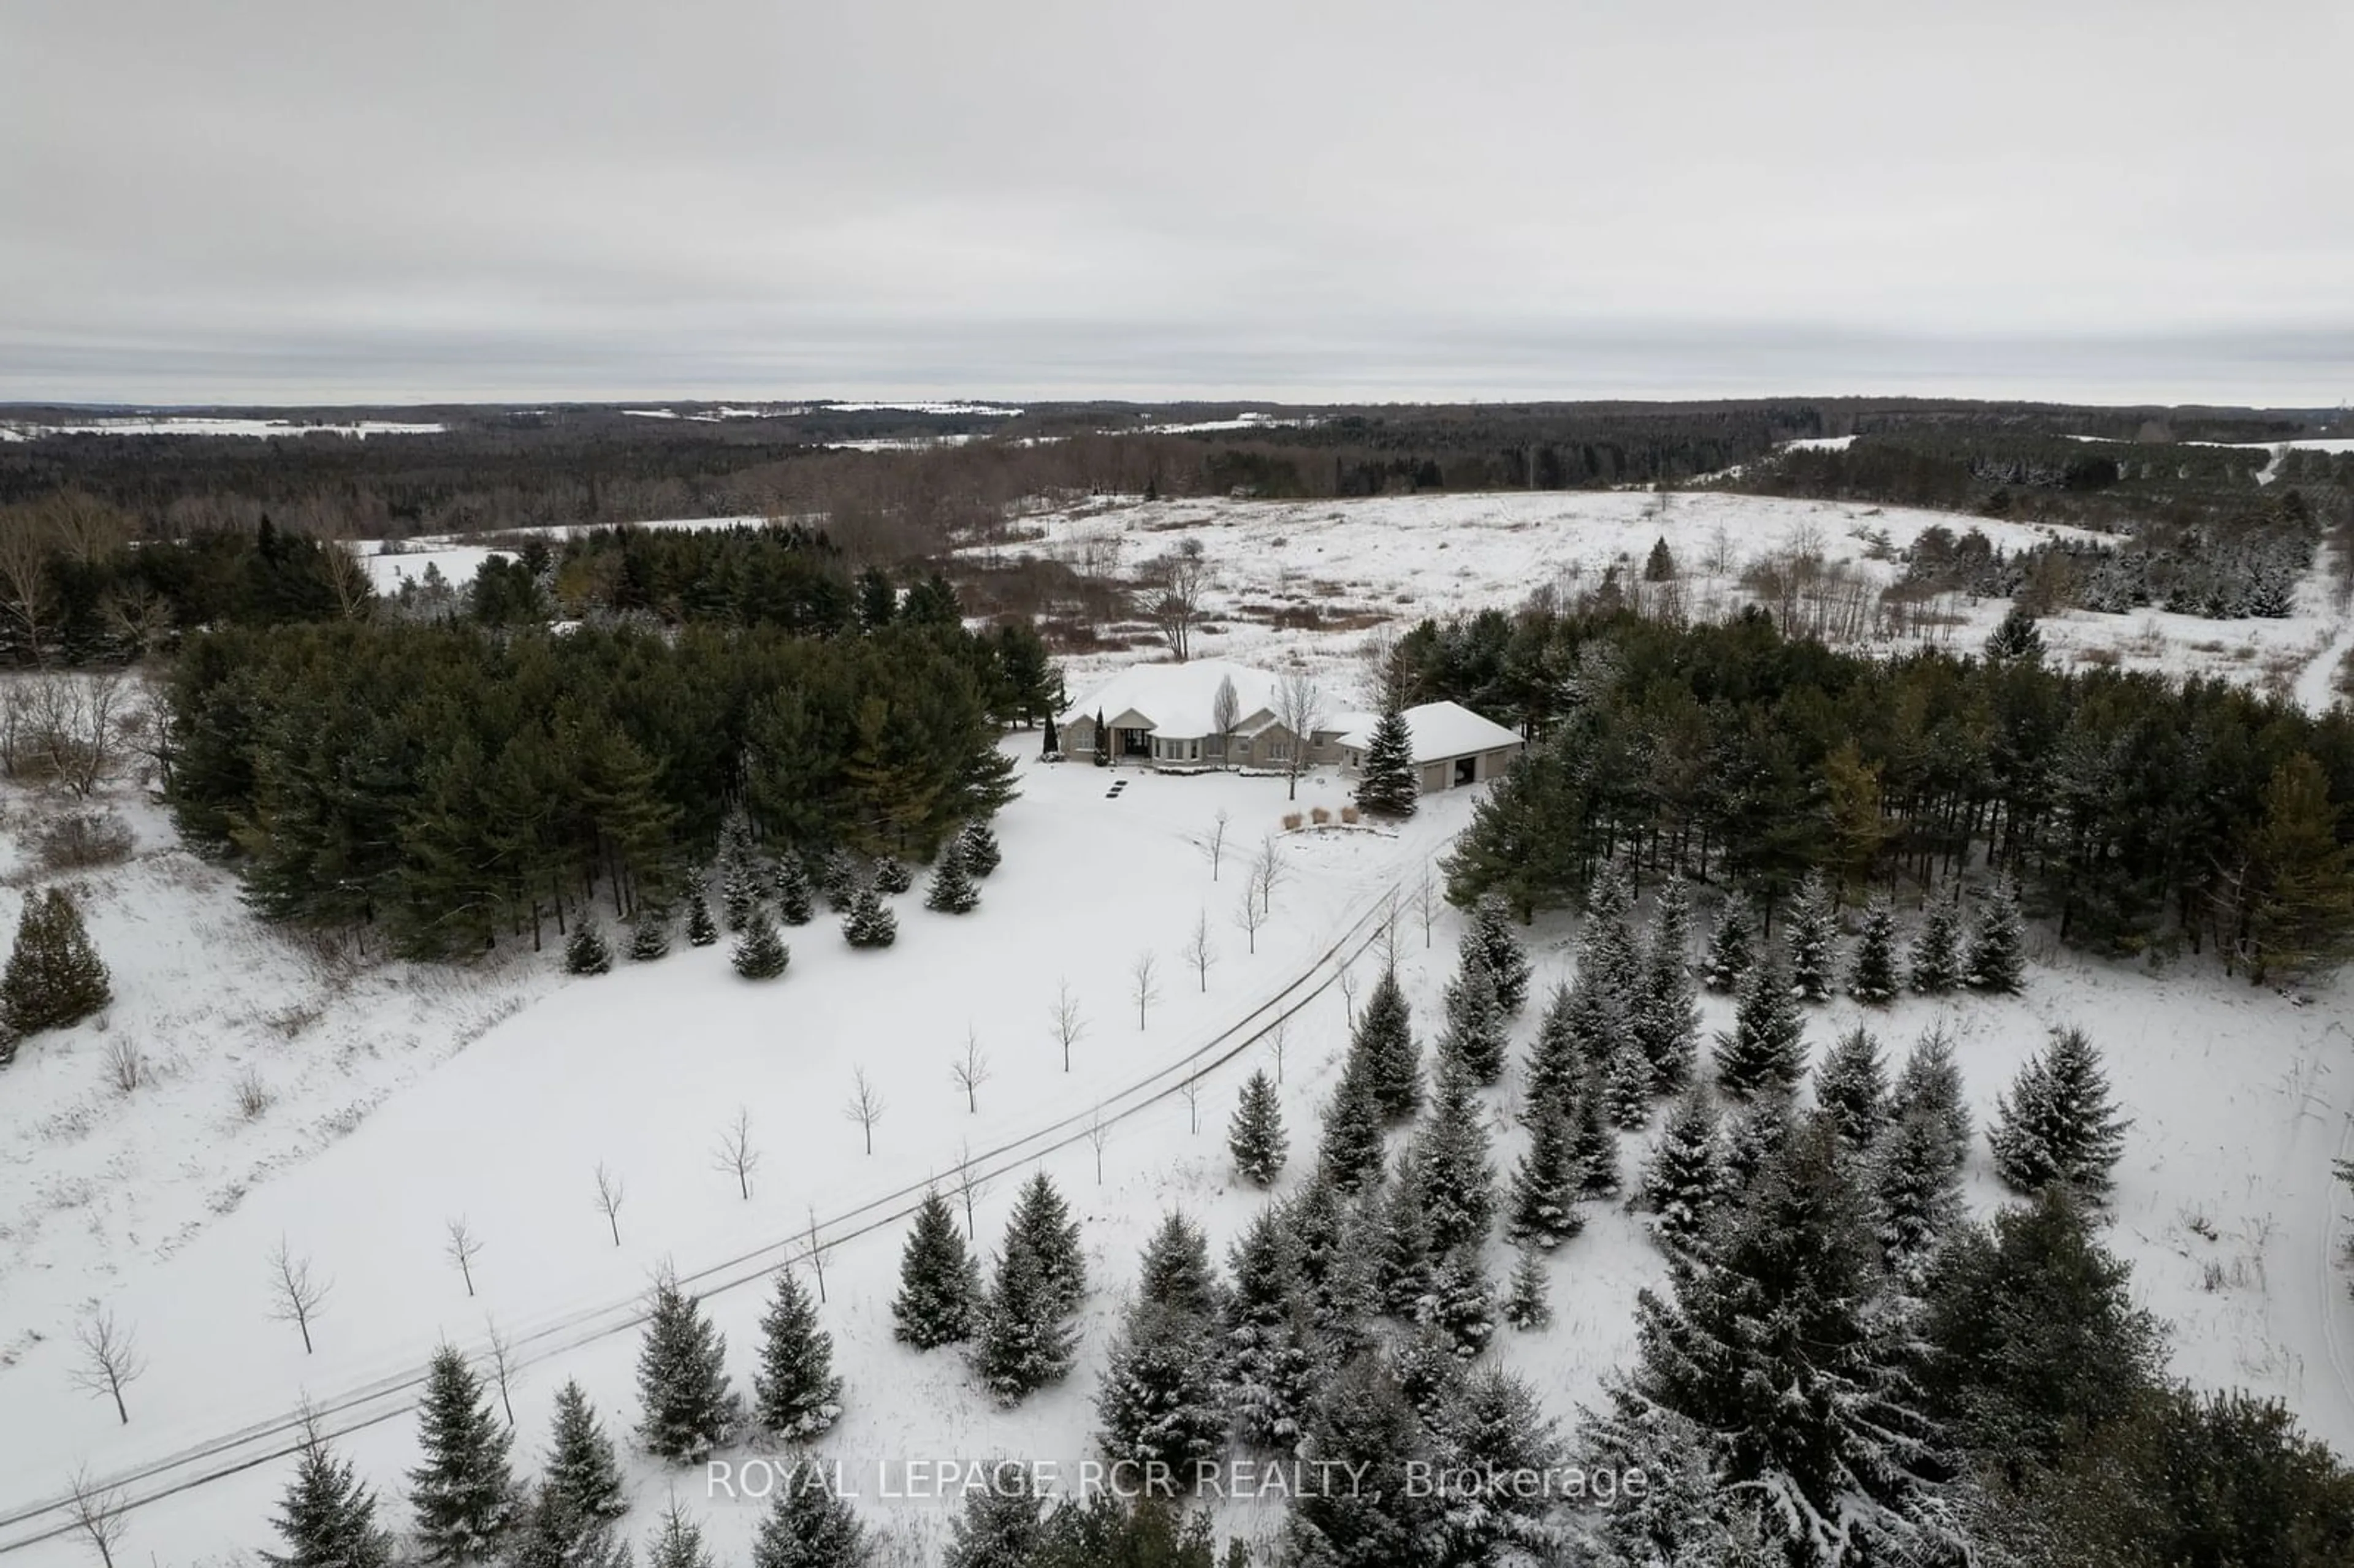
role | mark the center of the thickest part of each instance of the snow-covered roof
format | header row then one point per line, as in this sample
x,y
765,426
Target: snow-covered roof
x,y
1438,730
1177,699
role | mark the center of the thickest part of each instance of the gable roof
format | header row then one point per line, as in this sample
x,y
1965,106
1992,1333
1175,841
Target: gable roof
x,y
1438,731
1177,699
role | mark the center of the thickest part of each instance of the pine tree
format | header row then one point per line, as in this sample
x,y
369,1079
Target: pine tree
x,y
1497,1427
1916,1194
1459,1178
650,934
1871,975
1024,1343
952,890
701,929
739,889
1667,1009
2057,1125
1730,949
939,1283
893,874
796,900
685,1408
1385,1041
1594,1146
1756,1136
1607,955
1256,1136
1546,1183
980,844
328,1518
810,1524
1351,1152
1042,1218
1363,1418
1554,1064
1002,1525
1160,1402
870,923
1685,1181
760,951
1461,1304
1175,1271
586,951
554,1534
581,1467
1931,1084
1851,1087
1270,1361
1402,1248
1387,784
795,1394
678,1543
1627,1086
55,977
1936,951
463,1492
1490,937
1997,956
837,879
1474,1023
1767,1045
1527,1306
1814,932
2303,914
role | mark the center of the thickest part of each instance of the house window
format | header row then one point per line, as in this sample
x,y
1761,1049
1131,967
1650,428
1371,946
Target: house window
x,y
1192,751
1278,750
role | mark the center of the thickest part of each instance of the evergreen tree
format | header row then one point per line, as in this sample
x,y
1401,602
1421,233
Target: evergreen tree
x,y
1626,1086
1931,1084
1851,1087
1554,1066
1756,1136
2018,638
678,1543
1256,1136
1547,1185
760,951
1666,1008
701,929
1526,1306
463,1492
1871,975
1384,1042
1997,956
870,923
796,899
581,1467
740,888
1387,783
1175,1271
979,843
328,1518
2303,914
2057,1125
1767,1045
1402,1249
1160,1402
1730,949
1459,1178
1814,932
1497,1427
1461,1305
1685,1181
1271,1362
1936,951
650,934
1362,1418
939,1283
1430,1375
952,890
1474,1023
1608,956
795,1394
837,879
893,874
1490,937
1024,1343
1351,1152
1002,1525
1595,1147
687,1410
810,1524
1043,1220
586,951
1916,1193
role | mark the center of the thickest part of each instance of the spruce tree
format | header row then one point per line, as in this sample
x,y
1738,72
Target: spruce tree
x,y
1996,959
1607,955
1384,1042
981,856
586,951
796,900
1401,1250
55,977
1547,1185
1851,1087
554,1534
1814,933
1256,1136
581,1469
1667,1009
1002,1525
326,1518
1497,1427
1351,1151
952,890
1756,1135
2301,913
1554,1063
1936,951
1269,1340
701,929
1767,1046
463,1492
1684,1180
837,879
1362,1418
870,923
650,934
1430,1375
1042,1218
685,1410
1387,785
1931,1083
739,889
1474,1023
810,1524
1160,1402
760,951
1491,938
2057,1125
678,1543
1024,1343
1459,1178
939,1283
1461,1305
1627,1086
1594,1146
795,1394
893,874
1527,1306
1175,1272
1872,974
1730,949
1916,1194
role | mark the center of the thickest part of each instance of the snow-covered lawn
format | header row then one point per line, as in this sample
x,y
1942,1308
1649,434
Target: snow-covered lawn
x,y
2224,1205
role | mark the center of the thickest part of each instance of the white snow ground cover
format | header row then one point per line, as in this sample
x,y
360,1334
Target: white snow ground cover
x,y
2224,1201
209,425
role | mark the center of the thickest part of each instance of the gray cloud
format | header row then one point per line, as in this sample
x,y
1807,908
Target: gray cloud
x,y
287,202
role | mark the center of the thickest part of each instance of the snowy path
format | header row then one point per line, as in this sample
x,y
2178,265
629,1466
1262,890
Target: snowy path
x,y
2316,685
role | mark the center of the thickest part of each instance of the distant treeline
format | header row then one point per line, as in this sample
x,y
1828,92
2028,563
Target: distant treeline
x,y
2135,811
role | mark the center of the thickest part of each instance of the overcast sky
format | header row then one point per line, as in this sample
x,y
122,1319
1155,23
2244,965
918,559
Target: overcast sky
x,y
285,200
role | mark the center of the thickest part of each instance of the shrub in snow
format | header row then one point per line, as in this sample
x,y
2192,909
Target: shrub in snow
x,y
1871,976
870,923
462,1491
939,1283
2057,1125
1256,1136
979,843
586,951
1997,958
55,977
795,1394
701,929
1767,1047
1851,1086
1293,822
1319,815
760,951
892,875
1729,950
1813,935
685,1408
1350,816
1936,951
1490,937
952,890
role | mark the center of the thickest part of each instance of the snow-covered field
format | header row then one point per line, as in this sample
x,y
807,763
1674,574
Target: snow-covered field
x,y
208,425
2225,1204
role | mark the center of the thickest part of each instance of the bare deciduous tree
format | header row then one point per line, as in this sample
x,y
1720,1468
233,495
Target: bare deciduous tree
x,y
73,724
1300,708
1067,1021
609,1194
347,579
296,1292
1426,904
27,538
1198,951
111,1360
100,1513
1385,669
1349,996
1389,938
1280,1042
816,1251
463,1248
734,1155
1250,917
864,1105
1191,1089
1099,1136
970,1071
1268,871
1214,843
1225,713
1173,589
1143,985
502,1366
970,1185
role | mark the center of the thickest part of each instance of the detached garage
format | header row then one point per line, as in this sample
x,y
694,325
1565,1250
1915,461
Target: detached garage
x,y
1452,744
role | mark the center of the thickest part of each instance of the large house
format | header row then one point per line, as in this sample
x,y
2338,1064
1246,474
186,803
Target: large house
x,y
1451,745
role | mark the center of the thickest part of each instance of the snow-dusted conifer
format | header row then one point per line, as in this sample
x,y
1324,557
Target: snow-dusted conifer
x,y
739,889
1160,1402
2057,1125
1475,1022
981,853
677,1542
1872,974
1936,951
1594,1146
796,899
795,1394
893,874
1042,1218
1756,1136
701,929
1024,1343
760,952
1401,1250
463,1492
1931,1082
586,951
1386,781
1684,1180
1461,1304
1554,1066
1490,937
1363,1418
1547,1185
1851,1087
1997,956
1497,1427
326,1518
1351,1151
1385,1040
1256,1136
1457,1174
1430,1375
1528,1305
1767,1046
1626,1085
939,1283
870,923
1270,1343
1174,1270
650,934
1814,933
685,1408
1730,949
1003,1524
1607,955
810,1524
1666,1008
837,879
952,889
1916,1193
581,1467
